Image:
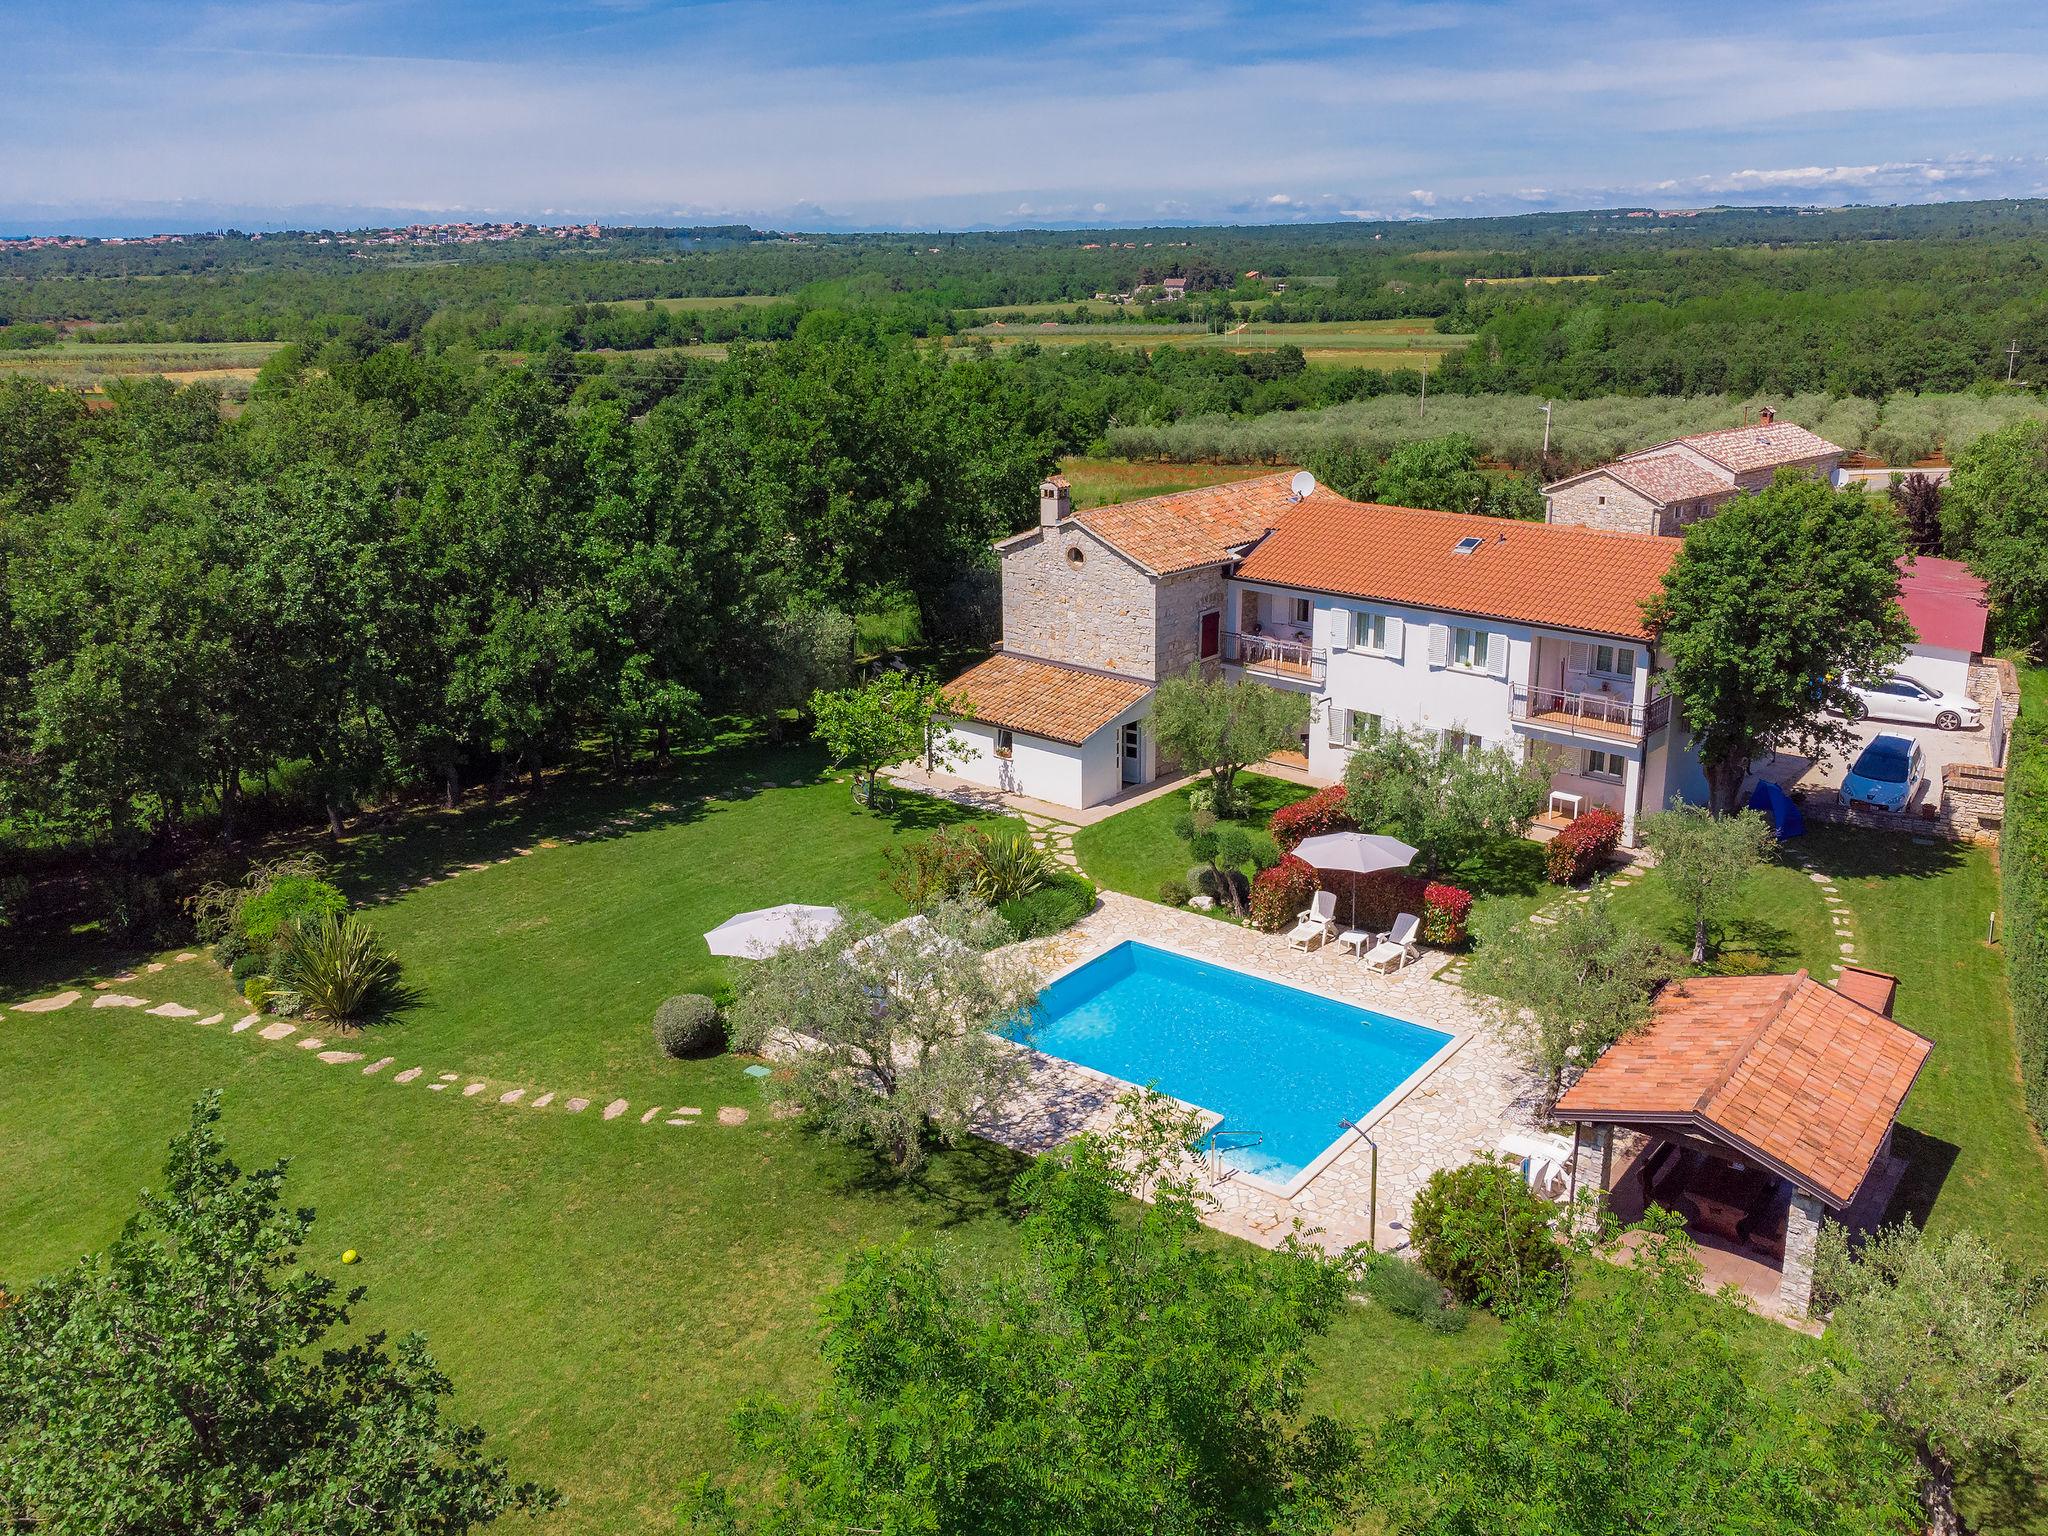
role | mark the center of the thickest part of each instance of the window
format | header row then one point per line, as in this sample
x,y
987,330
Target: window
x,y
1605,765
1348,727
1003,742
1468,649
1074,555
1466,546
1303,610
1614,660
1599,501
1461,743
1372,631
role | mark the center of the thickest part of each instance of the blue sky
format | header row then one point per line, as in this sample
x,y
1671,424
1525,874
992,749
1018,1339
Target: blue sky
x,y
959,113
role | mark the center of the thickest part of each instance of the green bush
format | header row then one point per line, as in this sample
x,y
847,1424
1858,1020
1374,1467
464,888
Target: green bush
x,y
1054,907
1407,1290
245,965
2023,870
299,901
1482,1232
1007,867
1174,893
687,1025
336,970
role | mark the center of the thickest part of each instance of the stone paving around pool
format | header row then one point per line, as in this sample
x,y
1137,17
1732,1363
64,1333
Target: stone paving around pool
x,y
1473,1098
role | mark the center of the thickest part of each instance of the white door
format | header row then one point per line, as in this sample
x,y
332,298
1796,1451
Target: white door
x,y
1133,754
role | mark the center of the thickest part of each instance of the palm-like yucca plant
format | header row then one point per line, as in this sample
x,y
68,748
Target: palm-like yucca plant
x,y
1007,866
337,970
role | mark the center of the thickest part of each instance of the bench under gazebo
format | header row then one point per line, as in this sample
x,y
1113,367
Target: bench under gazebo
x,y
1754,1106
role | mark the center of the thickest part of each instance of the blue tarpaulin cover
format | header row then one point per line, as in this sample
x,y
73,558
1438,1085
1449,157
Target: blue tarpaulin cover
x,y
1772,800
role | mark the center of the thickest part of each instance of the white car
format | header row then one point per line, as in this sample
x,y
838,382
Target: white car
x,y
1899,697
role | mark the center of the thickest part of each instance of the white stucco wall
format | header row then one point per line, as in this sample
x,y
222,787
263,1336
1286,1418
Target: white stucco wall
x,y
1078,776
1939,668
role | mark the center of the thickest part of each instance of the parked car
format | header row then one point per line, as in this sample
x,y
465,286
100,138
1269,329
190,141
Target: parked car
x,y
1899,697
1885,775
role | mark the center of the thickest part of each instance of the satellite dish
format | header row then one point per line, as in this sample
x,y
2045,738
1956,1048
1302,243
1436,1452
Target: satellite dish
x,y
1302,483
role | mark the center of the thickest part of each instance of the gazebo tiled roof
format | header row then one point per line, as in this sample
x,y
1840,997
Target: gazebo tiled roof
x,y
1779,1069
1045,698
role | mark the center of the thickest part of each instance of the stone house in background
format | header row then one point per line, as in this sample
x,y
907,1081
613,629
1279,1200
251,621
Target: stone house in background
x,y
1667,488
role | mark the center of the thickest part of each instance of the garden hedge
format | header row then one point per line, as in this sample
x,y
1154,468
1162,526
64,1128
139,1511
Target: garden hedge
x,y
2023,861
1052,908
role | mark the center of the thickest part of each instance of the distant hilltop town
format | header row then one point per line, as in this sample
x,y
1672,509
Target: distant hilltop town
x,y
409,234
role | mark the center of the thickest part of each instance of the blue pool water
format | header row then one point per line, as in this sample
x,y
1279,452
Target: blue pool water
x,y
1271,1059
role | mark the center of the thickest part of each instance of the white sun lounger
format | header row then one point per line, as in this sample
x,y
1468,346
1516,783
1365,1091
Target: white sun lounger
x,y
1398,947
1317,923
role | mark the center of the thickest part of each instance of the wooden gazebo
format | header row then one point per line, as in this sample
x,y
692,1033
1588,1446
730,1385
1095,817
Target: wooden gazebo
x,y
1764,1103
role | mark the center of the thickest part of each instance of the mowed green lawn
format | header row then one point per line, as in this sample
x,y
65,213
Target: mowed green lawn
x,y
603,1293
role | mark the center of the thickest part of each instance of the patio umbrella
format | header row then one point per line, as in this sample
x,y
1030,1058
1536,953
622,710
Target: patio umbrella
x,y
753,935
1354,853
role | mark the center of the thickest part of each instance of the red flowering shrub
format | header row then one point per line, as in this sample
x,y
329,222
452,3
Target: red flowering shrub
x,y
1444,910
1581,848
1323,811
1281,893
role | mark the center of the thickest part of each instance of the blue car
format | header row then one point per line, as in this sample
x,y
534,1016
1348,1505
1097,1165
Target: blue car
x,y
1885,775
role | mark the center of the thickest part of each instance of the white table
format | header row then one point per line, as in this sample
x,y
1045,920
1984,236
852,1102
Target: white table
x,y
1357,938
1573,804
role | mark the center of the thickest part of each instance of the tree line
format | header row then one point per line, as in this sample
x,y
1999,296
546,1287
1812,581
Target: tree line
x,y
401,571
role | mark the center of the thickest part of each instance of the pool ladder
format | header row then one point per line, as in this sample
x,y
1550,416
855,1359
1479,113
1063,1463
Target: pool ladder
x,y
1217,1147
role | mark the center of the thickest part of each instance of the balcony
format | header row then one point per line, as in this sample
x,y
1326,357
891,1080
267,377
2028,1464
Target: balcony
x,y
1274,656
1603,716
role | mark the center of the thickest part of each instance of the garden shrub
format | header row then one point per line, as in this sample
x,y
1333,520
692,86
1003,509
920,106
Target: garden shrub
x,y
131,905
293,901
1008,866
931,870
687,1024
1407,1290
1175,893
245,965
1581,848
1053,907
1202,881
1323,811
2023,873
1443,914
1482,1232
336,969
1280,893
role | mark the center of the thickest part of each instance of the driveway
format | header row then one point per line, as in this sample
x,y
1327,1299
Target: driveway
x,y
1939,748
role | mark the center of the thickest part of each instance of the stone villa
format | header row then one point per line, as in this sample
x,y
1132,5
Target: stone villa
x,y
1667,488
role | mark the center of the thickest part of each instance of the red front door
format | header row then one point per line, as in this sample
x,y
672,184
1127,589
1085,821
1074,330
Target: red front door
x,y
1212,635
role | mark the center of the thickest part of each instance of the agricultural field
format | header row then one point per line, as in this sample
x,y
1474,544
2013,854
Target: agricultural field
x,y
1104,482
1382,344
88,365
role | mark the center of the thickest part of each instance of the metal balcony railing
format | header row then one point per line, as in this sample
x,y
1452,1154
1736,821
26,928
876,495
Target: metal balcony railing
x,y
1274,655
1594,714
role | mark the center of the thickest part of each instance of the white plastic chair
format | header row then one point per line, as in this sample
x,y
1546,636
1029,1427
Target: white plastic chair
x,y
1317,922
1398,947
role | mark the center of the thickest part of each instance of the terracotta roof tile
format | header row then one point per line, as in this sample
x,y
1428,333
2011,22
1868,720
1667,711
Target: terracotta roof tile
x,y
1800,1075
1044,698
1759,446
1184,530
1669,477
1534,573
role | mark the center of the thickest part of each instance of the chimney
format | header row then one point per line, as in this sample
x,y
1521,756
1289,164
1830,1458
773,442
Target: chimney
x,y
1766,416
1054,501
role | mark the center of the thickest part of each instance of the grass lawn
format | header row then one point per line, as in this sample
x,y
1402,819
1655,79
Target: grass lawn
x,y
1779,924
603,1294
1135,850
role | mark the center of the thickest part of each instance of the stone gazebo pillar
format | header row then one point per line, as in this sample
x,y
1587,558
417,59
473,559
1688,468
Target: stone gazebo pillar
x,y
1802,1236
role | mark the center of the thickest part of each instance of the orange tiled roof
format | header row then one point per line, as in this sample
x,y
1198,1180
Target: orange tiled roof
x,y
1044,698
1669,477
1184,530
1779,1068
1534,573
1759,446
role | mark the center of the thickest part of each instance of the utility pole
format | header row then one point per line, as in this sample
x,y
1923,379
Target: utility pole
x,y
2012,356
1425,390
1546,432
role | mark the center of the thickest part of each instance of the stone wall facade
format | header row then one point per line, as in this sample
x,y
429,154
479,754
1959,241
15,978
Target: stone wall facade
x,y
1181,600
1097,610
1802,1237
1603,502
1970,808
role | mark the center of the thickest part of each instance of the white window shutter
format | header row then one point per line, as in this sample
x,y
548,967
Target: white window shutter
x,y
1497,654
1439,645
1340,629
1394,636
1340,726
1579,656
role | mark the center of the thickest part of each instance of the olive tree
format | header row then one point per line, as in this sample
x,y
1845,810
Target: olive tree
x,y
1219,728
1447,803
886,1032
1704,859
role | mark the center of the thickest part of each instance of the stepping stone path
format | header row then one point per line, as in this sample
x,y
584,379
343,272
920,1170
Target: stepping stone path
x,y
408,1074
616,1108
49,1004
577,1106
244,1022
544,1100
311,1043
211,1018
154,966
174,1011
181,959
1050,835
513,1097
681,1120
683,1109
644,1119
378,1066
340,1058
118,1000
731,1115
472,1090
278,1031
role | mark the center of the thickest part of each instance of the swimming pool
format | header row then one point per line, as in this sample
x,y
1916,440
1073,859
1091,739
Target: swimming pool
x,y
1278,1063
